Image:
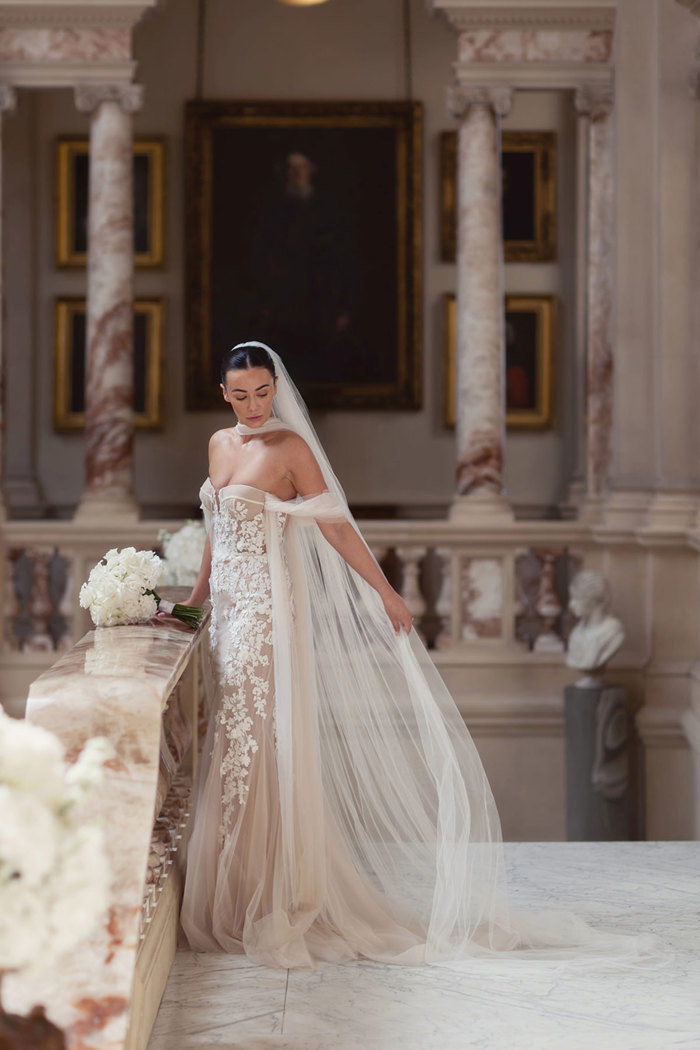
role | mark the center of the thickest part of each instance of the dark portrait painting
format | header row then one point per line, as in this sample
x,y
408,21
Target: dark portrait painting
x,y
529,350
528,188
72,196
304,232
70,340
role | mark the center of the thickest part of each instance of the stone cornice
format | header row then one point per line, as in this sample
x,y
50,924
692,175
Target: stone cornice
x,y
523,14
56,74
52,14
555,76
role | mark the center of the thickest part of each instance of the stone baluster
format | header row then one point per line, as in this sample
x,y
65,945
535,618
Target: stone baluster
x,y
594,103
548,606
109,423
443,605
480,301
7,105
411,592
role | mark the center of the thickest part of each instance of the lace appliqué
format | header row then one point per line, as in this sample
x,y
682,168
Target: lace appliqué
x,y
241,634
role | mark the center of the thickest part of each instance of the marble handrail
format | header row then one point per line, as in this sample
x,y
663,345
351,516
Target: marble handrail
x,y
115,682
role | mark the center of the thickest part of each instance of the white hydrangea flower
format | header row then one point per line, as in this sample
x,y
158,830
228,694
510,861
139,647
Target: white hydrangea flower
x,y
115,589
31,759
54,874
183,552
22,855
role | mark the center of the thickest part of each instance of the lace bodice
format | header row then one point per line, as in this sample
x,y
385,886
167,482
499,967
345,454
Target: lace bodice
x,y
237,516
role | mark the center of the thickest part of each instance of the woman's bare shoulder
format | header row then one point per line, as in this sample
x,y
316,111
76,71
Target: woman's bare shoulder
x,y
294,445
221,437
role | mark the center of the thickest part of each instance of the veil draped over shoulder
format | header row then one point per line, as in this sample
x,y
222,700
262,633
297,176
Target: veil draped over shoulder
x,y
390,838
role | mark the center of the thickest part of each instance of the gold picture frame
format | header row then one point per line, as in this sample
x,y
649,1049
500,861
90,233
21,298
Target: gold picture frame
x,y
72,157
69,363
530,325
529,196
337,289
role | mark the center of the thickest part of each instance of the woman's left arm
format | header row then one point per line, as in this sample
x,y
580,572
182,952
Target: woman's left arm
x,y
305,474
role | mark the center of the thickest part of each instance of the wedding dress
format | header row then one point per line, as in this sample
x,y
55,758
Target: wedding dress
x,y
341,807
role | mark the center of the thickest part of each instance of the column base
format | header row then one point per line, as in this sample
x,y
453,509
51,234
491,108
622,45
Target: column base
x,y
23,497
626,509
100,508
672,512
591,510
576,494
481,508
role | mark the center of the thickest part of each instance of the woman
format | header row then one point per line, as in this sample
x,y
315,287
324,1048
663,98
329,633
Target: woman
x,y
341,808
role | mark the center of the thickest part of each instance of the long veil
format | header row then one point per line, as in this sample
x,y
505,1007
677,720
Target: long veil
x,y
391,841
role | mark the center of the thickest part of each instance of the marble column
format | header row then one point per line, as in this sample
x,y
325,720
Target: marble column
x,y
480,302
7,105
594,104
109,424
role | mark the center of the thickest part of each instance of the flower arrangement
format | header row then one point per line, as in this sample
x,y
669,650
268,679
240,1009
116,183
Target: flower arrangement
x,y
54,874
182,553
120,590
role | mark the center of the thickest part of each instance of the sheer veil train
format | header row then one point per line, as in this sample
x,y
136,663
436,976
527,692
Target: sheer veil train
x,y
388,842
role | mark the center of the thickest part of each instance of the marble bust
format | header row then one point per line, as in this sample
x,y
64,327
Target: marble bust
x,y
598,635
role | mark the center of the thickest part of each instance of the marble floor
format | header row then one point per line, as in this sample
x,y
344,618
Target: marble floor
x,y
225,1001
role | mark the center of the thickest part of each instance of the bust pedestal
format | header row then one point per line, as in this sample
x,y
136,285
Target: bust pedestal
x,y
597,728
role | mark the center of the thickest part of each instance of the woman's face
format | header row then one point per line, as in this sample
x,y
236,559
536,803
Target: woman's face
x,y
249,391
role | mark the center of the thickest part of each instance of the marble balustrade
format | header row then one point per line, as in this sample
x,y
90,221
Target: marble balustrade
x,y
490,600
144,687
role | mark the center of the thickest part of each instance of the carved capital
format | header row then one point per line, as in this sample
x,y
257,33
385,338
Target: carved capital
x,y
461,97
594,100
88,97
8,98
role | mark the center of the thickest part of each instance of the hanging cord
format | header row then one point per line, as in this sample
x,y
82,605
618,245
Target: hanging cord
x,y
199,43
408,62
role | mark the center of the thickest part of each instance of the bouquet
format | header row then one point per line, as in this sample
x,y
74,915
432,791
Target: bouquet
x,y
120,590
182,553
54,875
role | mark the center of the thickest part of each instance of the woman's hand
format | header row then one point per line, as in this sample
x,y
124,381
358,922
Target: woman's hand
x,y
398,612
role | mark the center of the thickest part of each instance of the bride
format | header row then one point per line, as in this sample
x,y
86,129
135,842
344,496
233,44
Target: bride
x,y
341,807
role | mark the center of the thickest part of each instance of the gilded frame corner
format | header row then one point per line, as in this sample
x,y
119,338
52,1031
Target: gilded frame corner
x,y
67,149
202,118
65,310
543,147
541,417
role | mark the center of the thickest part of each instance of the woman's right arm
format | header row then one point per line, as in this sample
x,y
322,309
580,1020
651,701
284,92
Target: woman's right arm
x,y
200,591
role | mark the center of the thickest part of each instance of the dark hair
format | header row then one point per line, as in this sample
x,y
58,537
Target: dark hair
x,y
246,357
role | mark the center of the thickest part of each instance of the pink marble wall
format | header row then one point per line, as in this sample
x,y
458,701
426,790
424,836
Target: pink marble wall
x,y
87,44
535,45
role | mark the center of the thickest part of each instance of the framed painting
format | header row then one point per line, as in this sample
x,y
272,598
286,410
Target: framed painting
x,y
529,330
69,363
72,194
529,196
303,227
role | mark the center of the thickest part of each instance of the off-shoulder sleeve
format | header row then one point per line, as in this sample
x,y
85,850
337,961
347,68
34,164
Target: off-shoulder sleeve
x,y
206,503
324,507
